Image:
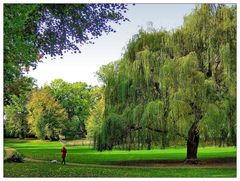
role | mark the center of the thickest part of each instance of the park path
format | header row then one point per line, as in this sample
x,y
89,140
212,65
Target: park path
x,y
149,165
71,163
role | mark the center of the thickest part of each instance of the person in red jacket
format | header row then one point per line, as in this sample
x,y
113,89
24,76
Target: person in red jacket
x,y
64,153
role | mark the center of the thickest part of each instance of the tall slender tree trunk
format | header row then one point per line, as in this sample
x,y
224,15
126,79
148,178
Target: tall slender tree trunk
x,y
22,132
192,144
149,145
94,142
163,141
142,143
139,141
130,141
149,142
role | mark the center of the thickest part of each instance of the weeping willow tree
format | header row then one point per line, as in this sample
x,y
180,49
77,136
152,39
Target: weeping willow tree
x,y
170,86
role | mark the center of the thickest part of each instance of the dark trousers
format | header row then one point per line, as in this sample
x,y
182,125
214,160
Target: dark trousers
x,y
63,160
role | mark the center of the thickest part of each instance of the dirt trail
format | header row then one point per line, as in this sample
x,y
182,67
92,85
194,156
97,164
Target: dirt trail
x,y
212,163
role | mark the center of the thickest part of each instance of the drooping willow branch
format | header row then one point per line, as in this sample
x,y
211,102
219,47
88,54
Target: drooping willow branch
x,y
133,128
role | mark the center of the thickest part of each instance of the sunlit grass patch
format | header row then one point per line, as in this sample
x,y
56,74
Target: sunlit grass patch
x,y
49,170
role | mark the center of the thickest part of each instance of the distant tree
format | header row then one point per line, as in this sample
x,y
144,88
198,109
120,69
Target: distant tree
x,y
15,111
46,117
75,99
15,123
96,94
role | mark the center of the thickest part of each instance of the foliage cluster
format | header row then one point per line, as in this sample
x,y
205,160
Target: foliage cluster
x,y
60,108
171,85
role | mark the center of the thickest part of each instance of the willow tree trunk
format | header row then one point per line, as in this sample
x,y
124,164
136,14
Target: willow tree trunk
x,y
192,144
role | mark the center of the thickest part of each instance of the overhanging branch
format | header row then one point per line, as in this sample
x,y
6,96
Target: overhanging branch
x,y
156,130
133,128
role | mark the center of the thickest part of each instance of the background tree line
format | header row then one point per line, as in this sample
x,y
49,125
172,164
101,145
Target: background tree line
x,y
60,108
170,86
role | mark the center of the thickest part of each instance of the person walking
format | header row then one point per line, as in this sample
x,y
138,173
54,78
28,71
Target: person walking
x,y
64,154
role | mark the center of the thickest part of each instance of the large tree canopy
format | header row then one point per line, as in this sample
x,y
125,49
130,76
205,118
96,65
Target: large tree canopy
x,y
61,27
34,30
169,86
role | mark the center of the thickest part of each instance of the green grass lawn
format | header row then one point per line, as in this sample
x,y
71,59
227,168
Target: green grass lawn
x,y
48,170
44,150
84,154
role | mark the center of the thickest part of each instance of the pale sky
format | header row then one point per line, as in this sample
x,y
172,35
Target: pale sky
x,y
108,48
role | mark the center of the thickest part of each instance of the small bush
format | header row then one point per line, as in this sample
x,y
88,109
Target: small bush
x,y
16,157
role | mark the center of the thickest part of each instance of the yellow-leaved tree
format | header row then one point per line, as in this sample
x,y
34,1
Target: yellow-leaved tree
x,y
46,118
